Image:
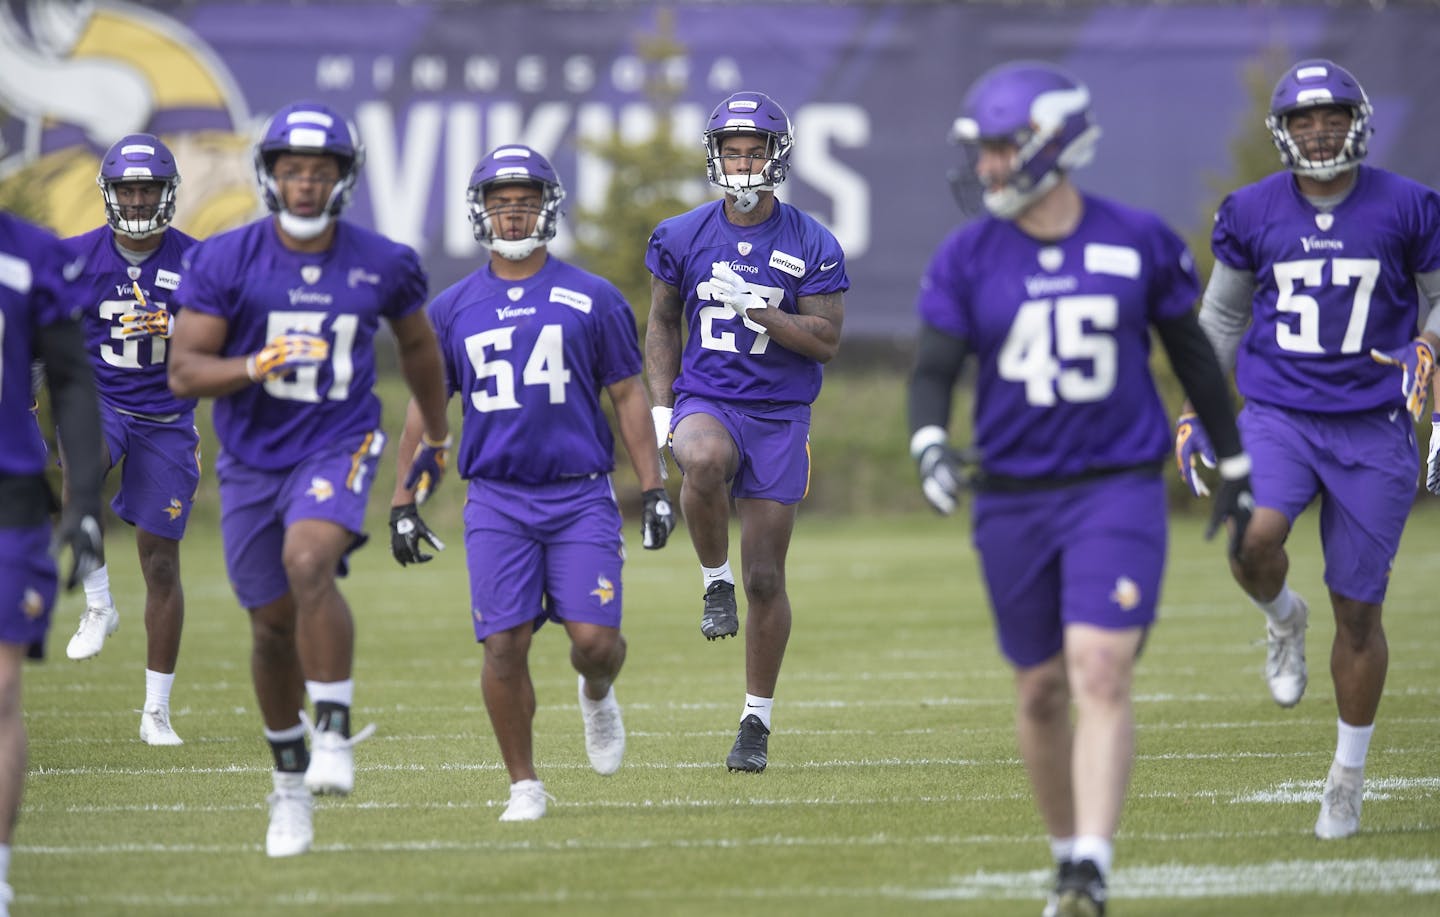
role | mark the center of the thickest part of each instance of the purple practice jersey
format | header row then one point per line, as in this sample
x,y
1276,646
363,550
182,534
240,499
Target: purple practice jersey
x,y
129,375
1328,287
262,289
727,358
34,272
530,357
1062,334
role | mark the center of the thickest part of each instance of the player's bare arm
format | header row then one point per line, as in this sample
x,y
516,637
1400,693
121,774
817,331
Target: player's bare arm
x,y
632,416
814,331
663,341
197,370
423,369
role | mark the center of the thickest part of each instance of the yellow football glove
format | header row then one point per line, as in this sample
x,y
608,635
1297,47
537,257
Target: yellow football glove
x,y
287,352
144,323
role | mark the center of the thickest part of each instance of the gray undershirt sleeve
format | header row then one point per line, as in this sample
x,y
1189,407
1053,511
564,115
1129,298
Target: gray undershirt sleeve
x,y
1225,311
1429,285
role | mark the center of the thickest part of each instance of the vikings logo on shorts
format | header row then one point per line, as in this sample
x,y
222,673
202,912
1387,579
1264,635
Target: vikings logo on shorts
x,y
174,509
320,489
159,77
32,603
604,590
1126,593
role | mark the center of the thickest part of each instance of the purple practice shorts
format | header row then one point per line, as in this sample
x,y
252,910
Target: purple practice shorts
x,y
161,472
1363,466
774,453
257,506
1090,553
27,584
539,552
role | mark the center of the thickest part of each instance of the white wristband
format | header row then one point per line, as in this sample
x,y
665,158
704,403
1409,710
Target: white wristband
x,y
661,415
1235,467
925,437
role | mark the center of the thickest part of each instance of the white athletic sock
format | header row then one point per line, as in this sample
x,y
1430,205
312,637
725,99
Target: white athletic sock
x,y
717,574
4,862
157,689
1062,848
758,706
285,735
1352,744
590,706
1279,609
334,692
97,587
1096,849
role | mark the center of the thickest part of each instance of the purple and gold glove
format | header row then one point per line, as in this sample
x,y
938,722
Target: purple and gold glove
x,y
1417,364
1192,445
428,466
286,352
144,323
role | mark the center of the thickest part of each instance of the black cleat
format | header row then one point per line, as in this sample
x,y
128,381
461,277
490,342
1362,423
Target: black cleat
x,y
1081,891
748,754
720,618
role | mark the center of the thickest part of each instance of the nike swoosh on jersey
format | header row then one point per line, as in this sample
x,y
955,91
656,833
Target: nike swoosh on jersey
x,y
826,267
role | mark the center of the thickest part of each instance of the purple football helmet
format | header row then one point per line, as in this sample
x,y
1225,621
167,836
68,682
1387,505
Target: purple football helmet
x,y
316,129
1309,84
515,164
138,158
1044,112
749,113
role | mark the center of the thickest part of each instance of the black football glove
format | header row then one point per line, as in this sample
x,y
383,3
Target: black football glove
x,y
80,532
658,519
407,531
1234,501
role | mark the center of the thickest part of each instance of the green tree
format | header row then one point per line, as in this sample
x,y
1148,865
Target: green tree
x,y
653,178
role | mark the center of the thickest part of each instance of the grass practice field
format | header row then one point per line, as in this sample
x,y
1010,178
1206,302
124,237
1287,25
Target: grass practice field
x,y
893,786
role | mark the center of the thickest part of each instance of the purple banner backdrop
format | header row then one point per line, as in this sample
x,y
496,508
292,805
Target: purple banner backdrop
x,y
871,88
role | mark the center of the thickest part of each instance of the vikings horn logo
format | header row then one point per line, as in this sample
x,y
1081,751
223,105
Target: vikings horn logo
x,y
78,76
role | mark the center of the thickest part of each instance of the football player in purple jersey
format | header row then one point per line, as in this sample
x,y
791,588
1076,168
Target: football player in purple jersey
x,y
1323,274
132,268
747,301
530,343
1054,293
36,321
279,328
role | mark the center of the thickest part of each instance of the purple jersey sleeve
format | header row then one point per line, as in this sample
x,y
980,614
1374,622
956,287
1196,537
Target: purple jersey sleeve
x,y
35,271
788,256
1328,287
1061,331
262,290
530,359
129,375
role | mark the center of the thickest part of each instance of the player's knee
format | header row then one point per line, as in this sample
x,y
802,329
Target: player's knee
x,y
764,582
1044,698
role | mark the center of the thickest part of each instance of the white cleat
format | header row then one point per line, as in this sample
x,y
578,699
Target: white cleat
x,y
155,727
1285,657
97,623
527,801
1340,804
291,809
604,731
332,762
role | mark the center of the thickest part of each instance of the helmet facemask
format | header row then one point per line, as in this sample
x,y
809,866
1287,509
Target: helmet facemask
x,y
749,114
1321,155
514,165
138,158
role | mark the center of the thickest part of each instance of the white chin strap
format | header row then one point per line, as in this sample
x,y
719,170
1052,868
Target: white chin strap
x,y
513,250
140,229
1009,202
304,228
